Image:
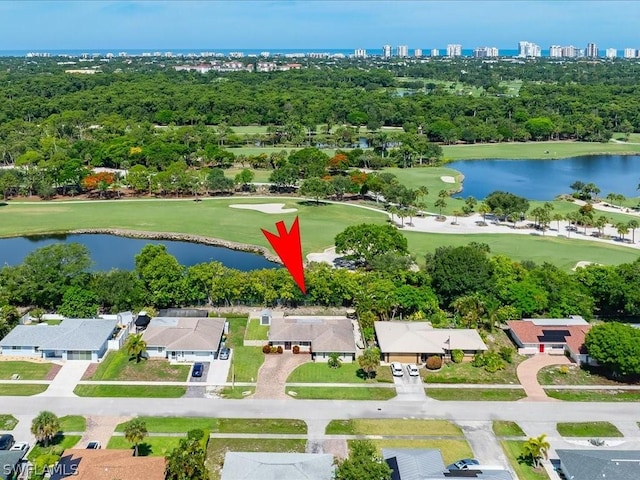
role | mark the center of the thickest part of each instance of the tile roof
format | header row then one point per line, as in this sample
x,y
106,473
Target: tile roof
x,y
70,334
600,464
573,336
277,466
326,334
421,337
185,334
83,464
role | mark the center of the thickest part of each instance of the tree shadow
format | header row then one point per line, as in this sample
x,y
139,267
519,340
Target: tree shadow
x,y
3,204
312,203
360,373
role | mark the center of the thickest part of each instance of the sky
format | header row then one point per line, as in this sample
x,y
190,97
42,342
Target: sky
x,y
313,24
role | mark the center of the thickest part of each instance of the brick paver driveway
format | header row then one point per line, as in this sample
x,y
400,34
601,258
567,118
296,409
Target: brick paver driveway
x,y
528,375
274,372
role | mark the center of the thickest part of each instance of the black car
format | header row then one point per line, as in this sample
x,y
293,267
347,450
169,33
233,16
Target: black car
x,y
198,369
464,464
6,441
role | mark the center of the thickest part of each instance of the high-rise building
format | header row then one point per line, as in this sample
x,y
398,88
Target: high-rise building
x,y
591,51
360,53
454,50
630,53
417,53
611,53
386,51
528,49
555,51
435,52
485,52
570,51
403,51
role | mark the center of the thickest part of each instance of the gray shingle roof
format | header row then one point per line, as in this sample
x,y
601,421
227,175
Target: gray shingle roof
x,y
599,464
413,463
185,334
277,466
70,334
326,334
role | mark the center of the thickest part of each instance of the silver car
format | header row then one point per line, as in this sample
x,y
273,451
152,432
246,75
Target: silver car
x,y
396,369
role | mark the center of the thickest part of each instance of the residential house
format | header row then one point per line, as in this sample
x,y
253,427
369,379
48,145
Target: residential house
x,y
427,464
184,339
555,336
277,466
71,339
107,464
414,342
600,464
321,336
10,463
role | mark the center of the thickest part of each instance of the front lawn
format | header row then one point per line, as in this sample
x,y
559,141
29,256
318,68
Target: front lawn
x,y
22,389
318,372
588,429
451,450
8,422
513,449
57,445
117,366
595,395
383,426
344,393
255,331
221,425
150,446
574,375
503,428
73,423
476,394
246,360
218,447
143,391
26,370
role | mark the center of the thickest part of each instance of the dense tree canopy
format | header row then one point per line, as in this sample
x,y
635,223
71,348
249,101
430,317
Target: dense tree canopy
x,y
364,242
615,346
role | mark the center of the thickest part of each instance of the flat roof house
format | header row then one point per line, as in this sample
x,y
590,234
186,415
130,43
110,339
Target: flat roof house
x,y
184,339
414,342
600,464
72,339
107,464
551,335
321,336
277,466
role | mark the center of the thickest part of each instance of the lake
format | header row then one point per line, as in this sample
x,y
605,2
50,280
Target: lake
x,y
545,179
111,251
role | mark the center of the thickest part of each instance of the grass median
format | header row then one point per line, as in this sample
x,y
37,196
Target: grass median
x,y
617,395
141,391
383,426
507,429
73,423
341,393
22,389
8,422
476,394
221,425
588,429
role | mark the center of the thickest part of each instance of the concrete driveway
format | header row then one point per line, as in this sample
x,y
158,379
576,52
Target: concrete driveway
x,y
67,378
408,388
484,444
528,375
219,371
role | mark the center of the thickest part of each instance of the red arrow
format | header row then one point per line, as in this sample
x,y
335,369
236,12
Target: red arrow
x,y
289,248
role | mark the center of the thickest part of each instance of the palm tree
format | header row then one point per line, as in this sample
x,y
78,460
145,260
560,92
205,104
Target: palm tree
x,y
135,347
557,217
484,209
536,448
369,361
600,223
135,431
469,308
456,214
411,212
632,225
334,360
45,426
623,229
440,204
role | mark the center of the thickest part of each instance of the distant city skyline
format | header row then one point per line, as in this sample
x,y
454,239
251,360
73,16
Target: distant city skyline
x,y
313,24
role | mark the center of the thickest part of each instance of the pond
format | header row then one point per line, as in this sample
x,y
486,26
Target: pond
x,y
111,251
545,179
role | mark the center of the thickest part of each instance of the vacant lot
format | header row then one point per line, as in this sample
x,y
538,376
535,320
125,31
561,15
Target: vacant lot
x,y
142,391
117,366
364,426
221,425
574,375
588,429
246,360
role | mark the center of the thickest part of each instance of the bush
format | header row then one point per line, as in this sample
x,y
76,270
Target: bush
x,y
434,362
564,370
506,353
195,434
273,349
266,349
279,350
457,356
491,361
334,361
295,349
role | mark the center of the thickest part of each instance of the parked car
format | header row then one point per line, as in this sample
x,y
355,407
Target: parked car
x,y
396,369
463,464
198,369
413,370
224,353
20,447
6,441
94,445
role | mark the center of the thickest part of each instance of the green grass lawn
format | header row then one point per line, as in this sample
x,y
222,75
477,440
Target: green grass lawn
x,y
383,426
347,373
246,360
534,150
255,331
22,389
143,391
618,395
249,151
117,366
58,444
503,428
588,429
236,393
73,423
150,446
574,375
221,425
512,449
8,422
345,393
259,175
451,450
476,394
218,447
427,176
26,370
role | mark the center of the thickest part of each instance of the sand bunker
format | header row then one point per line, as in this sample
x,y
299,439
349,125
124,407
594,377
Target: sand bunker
x,y
583,263
448,179
264,207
